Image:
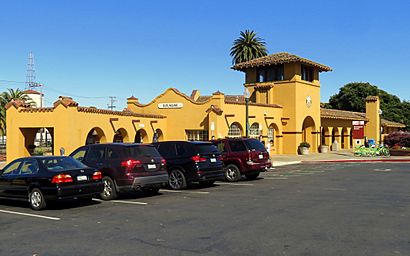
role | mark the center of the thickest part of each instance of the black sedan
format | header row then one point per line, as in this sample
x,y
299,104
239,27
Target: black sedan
x,y
43,178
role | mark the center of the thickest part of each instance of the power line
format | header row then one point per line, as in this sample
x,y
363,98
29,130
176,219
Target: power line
x,y
111,106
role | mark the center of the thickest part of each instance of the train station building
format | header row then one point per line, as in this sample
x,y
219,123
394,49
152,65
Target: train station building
x,y
284,110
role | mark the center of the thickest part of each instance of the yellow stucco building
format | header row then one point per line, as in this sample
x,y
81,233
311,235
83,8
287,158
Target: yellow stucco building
x,y
284,108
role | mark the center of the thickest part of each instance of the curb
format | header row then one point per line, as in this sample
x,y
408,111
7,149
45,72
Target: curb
x,y
361,161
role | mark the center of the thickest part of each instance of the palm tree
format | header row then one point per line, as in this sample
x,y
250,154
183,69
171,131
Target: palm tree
x,y
6,97
247,47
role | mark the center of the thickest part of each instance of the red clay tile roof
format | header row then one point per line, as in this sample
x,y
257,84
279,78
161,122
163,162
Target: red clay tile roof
x,y
342,114
388,123
214,109
372,98
31,92
203,98
117,113
17,103
66,101
278,58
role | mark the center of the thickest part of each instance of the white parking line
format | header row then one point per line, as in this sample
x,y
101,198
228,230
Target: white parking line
x,y
121,201
31,215
275,178
235,184
184,191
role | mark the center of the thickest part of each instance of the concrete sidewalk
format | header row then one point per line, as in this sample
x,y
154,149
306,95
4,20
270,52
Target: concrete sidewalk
x,y
332,156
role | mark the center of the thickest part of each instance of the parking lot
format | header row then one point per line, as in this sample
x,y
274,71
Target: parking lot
x,y
306,209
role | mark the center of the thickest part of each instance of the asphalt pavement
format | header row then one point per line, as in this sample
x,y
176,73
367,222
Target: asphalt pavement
x,y
301,209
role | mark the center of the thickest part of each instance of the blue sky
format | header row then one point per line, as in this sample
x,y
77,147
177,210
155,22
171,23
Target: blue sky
x,y
97,48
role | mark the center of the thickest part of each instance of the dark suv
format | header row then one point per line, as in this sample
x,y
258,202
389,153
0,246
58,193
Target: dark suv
x,y
243,157
189,162
125,167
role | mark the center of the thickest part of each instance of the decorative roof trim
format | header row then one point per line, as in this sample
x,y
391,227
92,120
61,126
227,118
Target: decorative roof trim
x,y
278,58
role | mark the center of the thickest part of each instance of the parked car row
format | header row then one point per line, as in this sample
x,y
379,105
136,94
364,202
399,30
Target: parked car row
x,y
106,170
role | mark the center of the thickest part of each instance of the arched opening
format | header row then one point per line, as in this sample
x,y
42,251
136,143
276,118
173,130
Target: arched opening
x,y
120,136
273,141
254,131
344,138
141,136
95,136
308,132
160,135
235,130
39,141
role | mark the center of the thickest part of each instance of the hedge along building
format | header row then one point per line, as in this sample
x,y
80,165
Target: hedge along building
x,y
284,108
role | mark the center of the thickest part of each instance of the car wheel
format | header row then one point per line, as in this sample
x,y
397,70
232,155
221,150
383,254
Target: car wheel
x,y
37,201
252,176
177,179
232,173
207,183
110,190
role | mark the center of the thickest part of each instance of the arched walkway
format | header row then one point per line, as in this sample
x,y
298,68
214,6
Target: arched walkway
x,y
121,135
141,136
308,132
273,131
235,130
39,141
95,135
254,131
160,134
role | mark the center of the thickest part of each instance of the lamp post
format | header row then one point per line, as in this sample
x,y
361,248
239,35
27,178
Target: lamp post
x,y
380,126
247,95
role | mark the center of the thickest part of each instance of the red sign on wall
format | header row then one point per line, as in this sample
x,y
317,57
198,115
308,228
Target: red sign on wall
x,y
358,130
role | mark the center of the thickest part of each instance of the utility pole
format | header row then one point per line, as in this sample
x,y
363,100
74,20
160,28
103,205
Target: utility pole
x,y
111,106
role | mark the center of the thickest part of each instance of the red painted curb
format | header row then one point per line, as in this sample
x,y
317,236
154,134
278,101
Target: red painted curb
x,y
360,160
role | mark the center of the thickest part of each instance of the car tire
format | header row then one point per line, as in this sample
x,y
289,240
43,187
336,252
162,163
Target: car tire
x,y
252,176
110,189
36,199
177,180
232,173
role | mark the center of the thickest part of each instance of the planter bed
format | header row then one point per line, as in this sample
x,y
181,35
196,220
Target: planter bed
x,y
399,152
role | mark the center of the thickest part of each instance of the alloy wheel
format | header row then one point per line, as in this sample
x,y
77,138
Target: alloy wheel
x,y
35,199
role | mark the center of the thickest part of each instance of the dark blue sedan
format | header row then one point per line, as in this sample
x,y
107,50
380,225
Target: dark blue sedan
x,y
43,178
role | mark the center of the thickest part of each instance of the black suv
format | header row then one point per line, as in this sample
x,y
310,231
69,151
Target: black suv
x,y
189,162
125,167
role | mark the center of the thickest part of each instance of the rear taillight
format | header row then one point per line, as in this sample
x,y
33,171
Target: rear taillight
x,y
198,159
130,164
163,162
62,178
97,175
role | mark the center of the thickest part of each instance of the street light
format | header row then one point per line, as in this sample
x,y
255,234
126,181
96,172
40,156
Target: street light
x,y
380,126
247,95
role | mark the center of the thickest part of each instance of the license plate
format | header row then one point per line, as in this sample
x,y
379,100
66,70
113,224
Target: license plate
x,y
213,160
152,166
260,156
82,178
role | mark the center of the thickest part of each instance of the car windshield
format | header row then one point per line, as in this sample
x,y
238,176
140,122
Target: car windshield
x,y
255,145
206,148
138,151
56,164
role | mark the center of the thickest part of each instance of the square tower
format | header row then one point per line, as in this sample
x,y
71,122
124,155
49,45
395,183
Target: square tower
x,y
292,82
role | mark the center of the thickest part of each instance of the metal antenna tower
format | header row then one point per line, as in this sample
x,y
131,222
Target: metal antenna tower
x,y
113,99
31,73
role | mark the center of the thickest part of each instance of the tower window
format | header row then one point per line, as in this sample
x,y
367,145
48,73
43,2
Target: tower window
x,y
307,73
272,73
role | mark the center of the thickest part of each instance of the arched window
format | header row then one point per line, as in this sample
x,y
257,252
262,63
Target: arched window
x,y
235,131
254,130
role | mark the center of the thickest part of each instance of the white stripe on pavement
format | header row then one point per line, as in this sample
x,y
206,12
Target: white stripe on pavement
x,y
121,201
275,178
184,191
235,184
31,215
